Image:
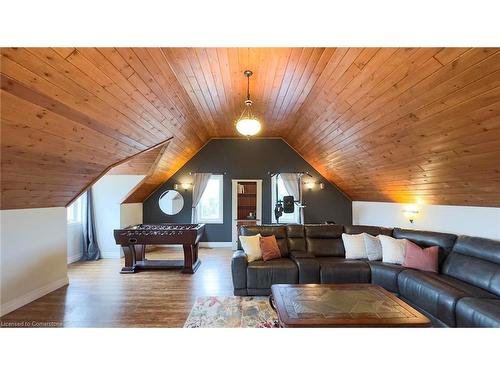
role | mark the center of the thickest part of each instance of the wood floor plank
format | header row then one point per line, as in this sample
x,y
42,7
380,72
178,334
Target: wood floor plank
x,y
99,296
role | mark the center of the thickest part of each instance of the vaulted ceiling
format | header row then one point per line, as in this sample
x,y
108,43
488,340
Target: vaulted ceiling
x,y
383,124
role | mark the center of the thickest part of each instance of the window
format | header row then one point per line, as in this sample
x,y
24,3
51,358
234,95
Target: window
x,y
209,208
285,218
75,211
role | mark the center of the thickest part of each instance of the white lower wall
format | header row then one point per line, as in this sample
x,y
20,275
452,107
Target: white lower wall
x,y
130,214
108,193
32,255
472,221
75,242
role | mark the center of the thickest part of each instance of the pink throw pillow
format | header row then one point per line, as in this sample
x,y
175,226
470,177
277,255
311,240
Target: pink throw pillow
x,y
421,259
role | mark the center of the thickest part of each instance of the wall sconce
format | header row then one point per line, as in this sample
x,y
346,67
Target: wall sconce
x,y
310,185
184,185
411,212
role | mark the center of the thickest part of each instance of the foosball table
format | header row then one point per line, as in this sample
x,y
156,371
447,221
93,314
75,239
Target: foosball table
x,y
133,240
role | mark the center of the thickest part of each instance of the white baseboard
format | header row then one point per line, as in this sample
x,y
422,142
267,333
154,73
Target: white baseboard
x,y
216,244
74,258
33,295
110,254
204,244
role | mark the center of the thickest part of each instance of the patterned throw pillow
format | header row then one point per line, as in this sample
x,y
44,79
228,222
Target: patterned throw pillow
x,y
269,247
251,247
354,246
393,250
421,259
373,247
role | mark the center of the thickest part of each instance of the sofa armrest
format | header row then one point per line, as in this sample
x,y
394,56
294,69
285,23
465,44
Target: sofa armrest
x,y
239,264
300,255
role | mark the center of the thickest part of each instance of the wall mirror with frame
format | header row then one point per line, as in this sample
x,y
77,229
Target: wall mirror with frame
x,y
171,202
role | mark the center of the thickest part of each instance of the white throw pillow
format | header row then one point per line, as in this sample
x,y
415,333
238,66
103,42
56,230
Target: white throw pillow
x,y
354,246
373,247
393,250
251,247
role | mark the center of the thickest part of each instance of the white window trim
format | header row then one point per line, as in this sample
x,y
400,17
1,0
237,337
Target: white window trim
x,y
77,209
220,219
296,212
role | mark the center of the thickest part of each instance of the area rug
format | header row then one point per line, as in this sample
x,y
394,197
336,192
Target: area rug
x,y
232,312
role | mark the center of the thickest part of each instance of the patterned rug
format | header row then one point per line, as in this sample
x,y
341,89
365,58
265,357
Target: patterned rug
x,y
232,312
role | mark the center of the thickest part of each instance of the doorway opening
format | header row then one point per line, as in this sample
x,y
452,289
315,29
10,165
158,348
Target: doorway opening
x,y
246,204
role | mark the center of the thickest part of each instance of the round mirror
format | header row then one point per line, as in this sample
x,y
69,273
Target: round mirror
x,y
171,202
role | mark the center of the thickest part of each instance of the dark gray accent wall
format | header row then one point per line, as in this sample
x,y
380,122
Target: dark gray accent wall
x,y
250,159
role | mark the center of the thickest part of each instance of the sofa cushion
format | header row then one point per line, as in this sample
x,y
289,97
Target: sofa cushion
x,y
476,261
423,238
308,267
261,275
373,247
478,312
393,250
354,246
385,275
324,240
296,237
467,288
251,247
269,247
374,231
278,231
421,259
336,270
436,294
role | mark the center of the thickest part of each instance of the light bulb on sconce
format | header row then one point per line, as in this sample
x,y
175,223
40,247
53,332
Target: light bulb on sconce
x,y
310,185
411,212
184,185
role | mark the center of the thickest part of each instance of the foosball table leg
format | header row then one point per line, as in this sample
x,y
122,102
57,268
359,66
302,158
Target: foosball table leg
x,y
191,261
140,251
129,253
195,252
188,259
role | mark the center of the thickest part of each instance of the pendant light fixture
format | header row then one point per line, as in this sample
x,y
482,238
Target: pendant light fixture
x,y
248,125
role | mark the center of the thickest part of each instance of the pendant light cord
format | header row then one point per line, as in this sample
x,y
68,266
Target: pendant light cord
x,y
248,87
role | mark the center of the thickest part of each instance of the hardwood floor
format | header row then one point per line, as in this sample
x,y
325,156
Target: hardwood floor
x,y
99,296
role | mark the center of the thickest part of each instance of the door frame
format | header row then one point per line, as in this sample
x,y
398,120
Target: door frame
x,y
234,203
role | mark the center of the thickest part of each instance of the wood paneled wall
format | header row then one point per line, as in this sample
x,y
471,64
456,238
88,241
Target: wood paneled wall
x,y
383,124
140,164
68,113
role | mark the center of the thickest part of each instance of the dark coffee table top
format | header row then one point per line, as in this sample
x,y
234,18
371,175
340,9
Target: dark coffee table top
x,y
342,305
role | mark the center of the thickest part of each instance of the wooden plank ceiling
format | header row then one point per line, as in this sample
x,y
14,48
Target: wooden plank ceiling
x,y
140,164
383,124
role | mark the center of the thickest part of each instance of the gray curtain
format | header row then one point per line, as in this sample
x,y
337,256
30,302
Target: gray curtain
x,y
200,182
292,185
90,247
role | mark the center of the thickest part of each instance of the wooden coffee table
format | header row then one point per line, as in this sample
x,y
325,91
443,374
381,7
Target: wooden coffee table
x,y
342,305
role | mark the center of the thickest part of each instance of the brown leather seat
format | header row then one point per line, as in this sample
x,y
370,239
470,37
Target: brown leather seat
x,y
262,274
336,270
385,275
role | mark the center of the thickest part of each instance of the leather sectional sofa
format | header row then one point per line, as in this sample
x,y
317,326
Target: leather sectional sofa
x,y
465,292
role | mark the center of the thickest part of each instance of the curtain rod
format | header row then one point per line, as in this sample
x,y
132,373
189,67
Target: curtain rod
x,y
275,173
191,173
